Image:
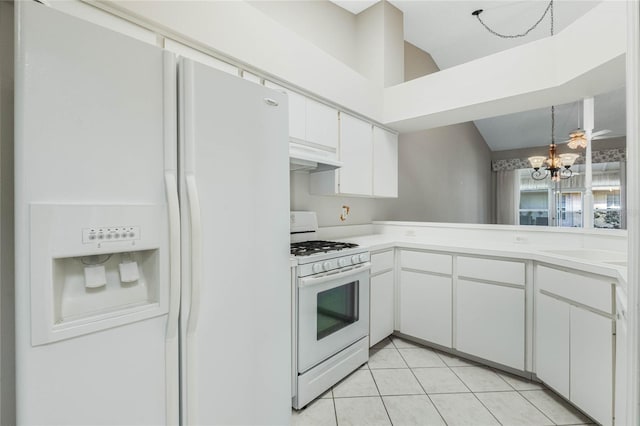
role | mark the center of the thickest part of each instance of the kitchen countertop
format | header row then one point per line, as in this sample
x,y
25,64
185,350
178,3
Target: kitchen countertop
x,y
588,260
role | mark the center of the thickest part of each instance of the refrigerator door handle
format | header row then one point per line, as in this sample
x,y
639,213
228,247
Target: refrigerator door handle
x,y
194,303
196,252
171,186
171,341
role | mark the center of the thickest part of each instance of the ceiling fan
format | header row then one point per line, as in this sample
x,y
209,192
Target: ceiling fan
x,y
577,138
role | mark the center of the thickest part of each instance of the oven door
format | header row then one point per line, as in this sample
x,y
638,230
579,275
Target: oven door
x,y
333,312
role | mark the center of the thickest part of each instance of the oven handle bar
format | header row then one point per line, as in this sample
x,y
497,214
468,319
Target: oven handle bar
x,y
344,273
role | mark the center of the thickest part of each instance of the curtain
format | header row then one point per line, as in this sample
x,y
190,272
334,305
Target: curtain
x,y
507,197
623,194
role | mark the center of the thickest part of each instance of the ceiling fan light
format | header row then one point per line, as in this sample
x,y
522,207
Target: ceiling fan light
x,y
578,133
577,139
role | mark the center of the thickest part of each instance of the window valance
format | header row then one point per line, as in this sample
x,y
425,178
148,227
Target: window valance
x,y
603,156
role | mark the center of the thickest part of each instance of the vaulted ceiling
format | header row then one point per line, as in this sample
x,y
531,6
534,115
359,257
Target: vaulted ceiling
x,y
452,36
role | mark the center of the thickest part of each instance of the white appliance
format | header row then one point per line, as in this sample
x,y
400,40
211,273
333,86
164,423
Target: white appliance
x,y
308,158
148,288
331,313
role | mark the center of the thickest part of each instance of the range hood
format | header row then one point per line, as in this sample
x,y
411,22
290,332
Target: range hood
x,y
303,157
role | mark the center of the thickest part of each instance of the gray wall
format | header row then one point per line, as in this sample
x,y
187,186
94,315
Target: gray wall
x,y
7,371
417,62
445,176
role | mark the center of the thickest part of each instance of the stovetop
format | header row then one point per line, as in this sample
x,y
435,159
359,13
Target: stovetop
x,y
307,248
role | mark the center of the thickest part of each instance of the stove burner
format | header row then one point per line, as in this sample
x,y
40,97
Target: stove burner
x,y
307,248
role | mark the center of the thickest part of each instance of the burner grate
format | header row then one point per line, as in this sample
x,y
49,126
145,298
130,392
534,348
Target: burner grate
x,y
307,248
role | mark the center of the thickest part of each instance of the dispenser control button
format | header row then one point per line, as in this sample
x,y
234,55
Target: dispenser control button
x,y
112,234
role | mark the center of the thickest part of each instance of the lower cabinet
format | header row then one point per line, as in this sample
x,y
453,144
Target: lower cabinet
x,y
382,296
574,344
381,309
490,322
591,361
621,371
552,343
425,306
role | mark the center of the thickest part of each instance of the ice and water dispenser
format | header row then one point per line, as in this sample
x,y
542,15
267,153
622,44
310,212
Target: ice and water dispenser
x,y
96,267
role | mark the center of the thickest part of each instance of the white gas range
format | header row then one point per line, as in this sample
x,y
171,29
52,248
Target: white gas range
x,y
331,312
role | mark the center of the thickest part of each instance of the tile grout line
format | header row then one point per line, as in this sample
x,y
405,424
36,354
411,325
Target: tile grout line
x,y
380,396
333,401
422,387
535,406
476,396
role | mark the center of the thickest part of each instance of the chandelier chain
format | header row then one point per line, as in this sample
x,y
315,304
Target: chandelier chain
x,y
553,124
549,9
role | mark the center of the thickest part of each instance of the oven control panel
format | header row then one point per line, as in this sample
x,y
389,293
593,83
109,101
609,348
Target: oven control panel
x,y
325,265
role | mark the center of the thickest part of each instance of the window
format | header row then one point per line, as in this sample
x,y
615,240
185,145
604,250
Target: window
x,y
545,203
534,207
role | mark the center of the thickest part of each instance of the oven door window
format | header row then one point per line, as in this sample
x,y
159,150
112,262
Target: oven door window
x,y
337,308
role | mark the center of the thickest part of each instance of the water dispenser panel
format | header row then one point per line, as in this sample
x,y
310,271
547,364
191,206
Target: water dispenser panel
x,y
95,267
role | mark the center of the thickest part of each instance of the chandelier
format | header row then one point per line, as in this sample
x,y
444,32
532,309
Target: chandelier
x,y
557,166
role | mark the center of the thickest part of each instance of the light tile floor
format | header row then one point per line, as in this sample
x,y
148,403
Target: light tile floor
x,y
406,384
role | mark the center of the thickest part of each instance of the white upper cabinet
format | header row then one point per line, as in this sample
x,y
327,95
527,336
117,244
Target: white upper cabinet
x,y
385,163
369,157
356,156
297,116
310,122
322,125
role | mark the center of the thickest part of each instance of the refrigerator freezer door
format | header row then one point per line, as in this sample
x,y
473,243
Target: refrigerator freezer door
x,y
91,108
236,277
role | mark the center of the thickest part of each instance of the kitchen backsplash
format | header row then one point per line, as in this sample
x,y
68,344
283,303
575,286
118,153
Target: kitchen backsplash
x,y
331,210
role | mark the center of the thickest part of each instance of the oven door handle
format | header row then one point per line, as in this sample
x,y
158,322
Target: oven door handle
x,y
310,281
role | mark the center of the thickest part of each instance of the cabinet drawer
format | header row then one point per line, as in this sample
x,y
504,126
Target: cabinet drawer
x,y
381,261
503,271
589,290
428,262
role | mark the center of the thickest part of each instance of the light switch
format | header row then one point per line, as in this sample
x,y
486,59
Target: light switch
x,y
129,272
95,276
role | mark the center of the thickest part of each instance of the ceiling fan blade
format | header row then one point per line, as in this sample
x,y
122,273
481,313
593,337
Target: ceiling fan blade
x,y
600,133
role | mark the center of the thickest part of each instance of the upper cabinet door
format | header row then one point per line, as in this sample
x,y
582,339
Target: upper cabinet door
x,y
356,156
385,163
322,125
297,116
297,112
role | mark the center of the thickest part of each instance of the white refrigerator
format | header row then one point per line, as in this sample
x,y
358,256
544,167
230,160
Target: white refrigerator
x,y
151,234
